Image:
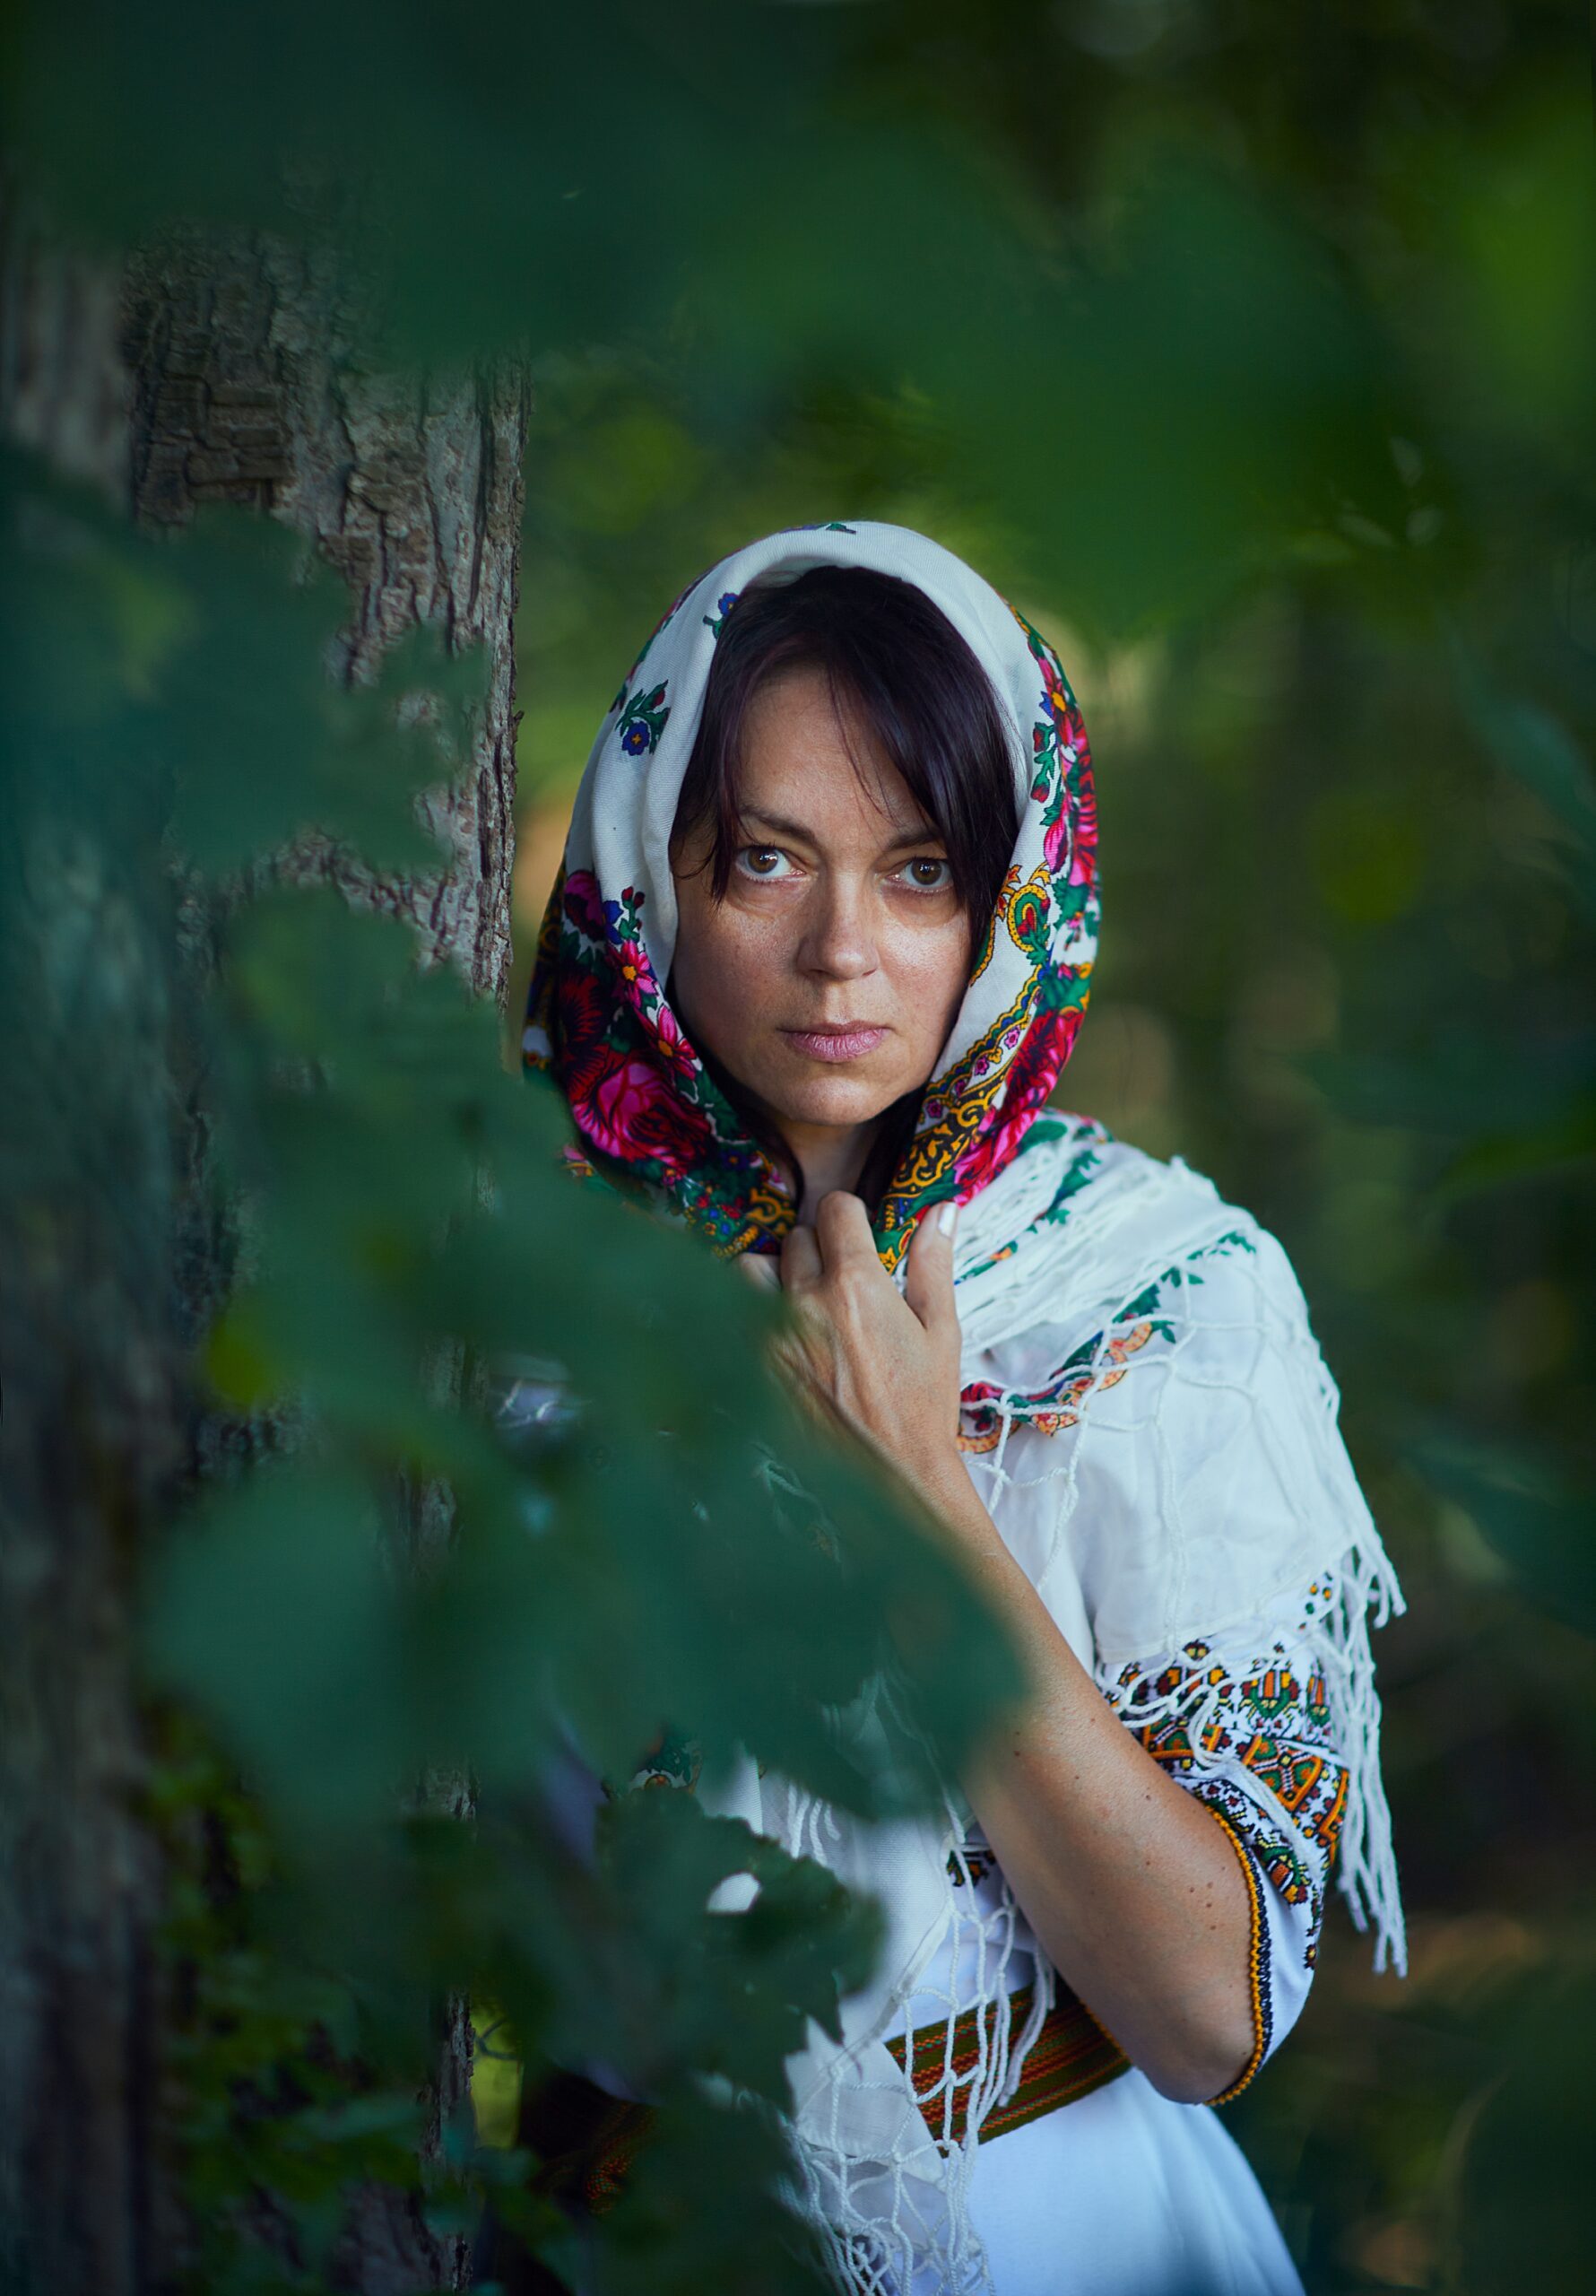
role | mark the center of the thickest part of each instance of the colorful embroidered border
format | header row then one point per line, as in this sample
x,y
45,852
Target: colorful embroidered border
x,y
1271,1716
1073,2056
1257,1958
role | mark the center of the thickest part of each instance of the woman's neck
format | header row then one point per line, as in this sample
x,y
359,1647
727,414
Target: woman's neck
x,y
828,1156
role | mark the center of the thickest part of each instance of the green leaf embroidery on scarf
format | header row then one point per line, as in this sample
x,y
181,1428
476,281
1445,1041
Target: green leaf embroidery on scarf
x,y
643,721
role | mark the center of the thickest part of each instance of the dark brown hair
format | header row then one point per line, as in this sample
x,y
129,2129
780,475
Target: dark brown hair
x,y
899,672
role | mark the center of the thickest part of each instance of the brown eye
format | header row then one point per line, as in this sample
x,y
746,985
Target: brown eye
x,y
929,873
765,861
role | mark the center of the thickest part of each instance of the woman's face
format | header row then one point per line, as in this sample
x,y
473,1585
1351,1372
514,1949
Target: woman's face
x,y
827,979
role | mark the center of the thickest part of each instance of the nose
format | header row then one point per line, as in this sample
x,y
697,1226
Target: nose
x,y
838,940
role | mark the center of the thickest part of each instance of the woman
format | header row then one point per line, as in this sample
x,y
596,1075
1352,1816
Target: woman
x,y
820,948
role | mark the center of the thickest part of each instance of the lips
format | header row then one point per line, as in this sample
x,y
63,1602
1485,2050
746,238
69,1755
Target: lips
x,y
850,1042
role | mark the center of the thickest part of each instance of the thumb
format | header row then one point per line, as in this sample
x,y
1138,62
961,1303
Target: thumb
x,y
760,1270
928,1272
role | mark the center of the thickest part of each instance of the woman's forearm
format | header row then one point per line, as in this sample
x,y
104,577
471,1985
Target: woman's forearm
x,y
1133,1891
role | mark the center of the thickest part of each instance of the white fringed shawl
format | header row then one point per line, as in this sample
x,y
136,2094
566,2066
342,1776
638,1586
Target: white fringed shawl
x,y
1199,1477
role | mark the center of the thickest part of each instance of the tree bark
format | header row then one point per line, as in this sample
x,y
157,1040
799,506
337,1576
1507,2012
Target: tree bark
x,y
213,370
91,1416
249,387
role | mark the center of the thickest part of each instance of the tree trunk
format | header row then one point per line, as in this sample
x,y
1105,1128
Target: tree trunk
x,y
247,390
92,1418
216,369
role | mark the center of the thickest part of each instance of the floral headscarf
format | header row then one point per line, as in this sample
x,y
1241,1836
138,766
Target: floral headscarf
x,y
597,1014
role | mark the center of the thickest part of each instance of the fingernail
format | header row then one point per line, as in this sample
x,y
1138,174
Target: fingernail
x,y
947,1219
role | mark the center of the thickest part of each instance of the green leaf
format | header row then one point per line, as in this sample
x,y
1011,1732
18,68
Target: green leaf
x,y
265,747
273,1609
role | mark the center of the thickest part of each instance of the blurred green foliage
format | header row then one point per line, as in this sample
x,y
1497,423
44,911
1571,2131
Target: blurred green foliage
x,y
1253,352
406,1711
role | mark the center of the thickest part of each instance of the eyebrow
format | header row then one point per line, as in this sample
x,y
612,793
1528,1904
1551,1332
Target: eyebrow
x,y
925,834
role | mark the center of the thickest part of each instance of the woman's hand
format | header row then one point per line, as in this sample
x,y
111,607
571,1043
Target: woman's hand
x,y
883,1364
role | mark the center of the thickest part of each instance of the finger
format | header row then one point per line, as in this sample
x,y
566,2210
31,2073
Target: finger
x,y
928,1271
800,1268
761,1270
842,1228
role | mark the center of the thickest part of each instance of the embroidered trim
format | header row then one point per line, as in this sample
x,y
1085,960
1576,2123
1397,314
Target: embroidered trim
x,y
1286,1739
1271,1716
1071,2056
1257,1958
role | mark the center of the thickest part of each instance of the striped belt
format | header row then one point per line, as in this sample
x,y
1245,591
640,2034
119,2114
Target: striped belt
x,y
1073,2056
594,2139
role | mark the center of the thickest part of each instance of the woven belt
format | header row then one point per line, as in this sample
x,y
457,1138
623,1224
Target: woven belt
x,y
590,2140
587,2138
1071,2057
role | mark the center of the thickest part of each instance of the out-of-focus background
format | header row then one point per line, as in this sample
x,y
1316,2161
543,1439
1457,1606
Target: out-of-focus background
x,y
1251,351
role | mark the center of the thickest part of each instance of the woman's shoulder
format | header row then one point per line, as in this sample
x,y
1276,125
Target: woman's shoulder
x,y
1073,1176
1085,1217
1061,1160
1074,1157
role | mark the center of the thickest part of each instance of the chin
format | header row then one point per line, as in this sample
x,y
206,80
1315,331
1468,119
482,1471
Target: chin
x,y
832,1100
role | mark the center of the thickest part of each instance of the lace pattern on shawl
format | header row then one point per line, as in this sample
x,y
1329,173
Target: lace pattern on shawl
x,y
1178,1460
1196,1421
898,2212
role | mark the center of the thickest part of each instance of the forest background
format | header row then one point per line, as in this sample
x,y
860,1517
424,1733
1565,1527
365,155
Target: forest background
x,y
1251,352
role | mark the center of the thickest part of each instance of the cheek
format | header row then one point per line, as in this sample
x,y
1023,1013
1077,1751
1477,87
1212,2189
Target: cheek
x,y
726,961
931,968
